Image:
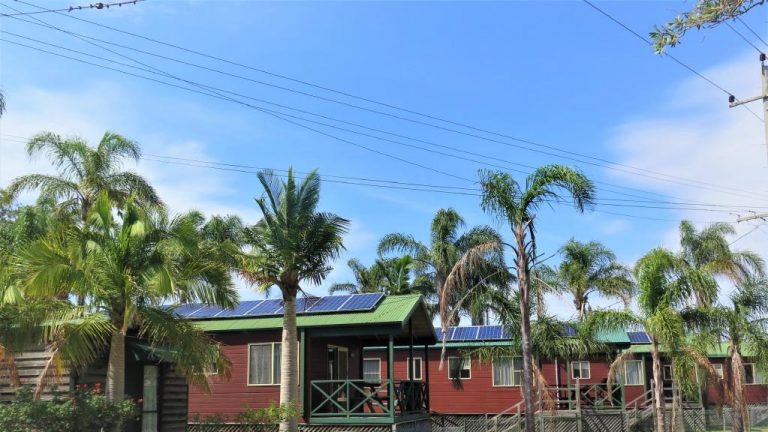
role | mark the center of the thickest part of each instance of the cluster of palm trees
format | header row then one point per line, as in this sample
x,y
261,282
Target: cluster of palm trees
x,y
99,260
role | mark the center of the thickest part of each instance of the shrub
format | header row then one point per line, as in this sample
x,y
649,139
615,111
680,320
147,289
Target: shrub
x,y
87,410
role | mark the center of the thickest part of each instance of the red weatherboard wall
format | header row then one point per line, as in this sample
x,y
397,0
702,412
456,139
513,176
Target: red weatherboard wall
x,y
229,396
477,395
756,393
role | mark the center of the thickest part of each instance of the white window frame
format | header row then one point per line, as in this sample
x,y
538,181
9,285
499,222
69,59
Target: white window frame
x,y
272,359
719,370
421,370
642,372
493,372
466,364
757,378
580,363
664,375
377,360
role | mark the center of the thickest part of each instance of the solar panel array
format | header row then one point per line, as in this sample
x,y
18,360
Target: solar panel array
x,y
274,307
473,333
639,337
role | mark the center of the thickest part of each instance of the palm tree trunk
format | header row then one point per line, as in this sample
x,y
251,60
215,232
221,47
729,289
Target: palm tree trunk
x,y
525,326
289,380
658,386
740,413
116,368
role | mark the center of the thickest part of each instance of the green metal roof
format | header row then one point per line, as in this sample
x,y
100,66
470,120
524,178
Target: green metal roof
x,y
391,310
721,350
613,337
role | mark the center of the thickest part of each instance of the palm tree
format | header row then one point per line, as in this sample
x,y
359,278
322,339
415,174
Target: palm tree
x,y
664,284
709,251
504,198
743,328
2,103
84,173
367,279
586,269
446,249
291,244
135,264
397,278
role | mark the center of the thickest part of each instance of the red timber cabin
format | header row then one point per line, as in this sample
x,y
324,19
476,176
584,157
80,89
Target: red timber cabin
x,y
335,387
465,385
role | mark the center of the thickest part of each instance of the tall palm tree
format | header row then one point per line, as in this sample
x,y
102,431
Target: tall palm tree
x,y
292,243
446,249
743,327
367,279
708,250
664,284
137,261
586,269
516,205
84,173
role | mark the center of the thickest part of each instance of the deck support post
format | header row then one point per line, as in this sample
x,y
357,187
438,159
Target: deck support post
x,y
303,384
426,372
391,375
410,367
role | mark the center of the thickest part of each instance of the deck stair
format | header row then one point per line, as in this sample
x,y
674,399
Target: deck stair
x,y
639,409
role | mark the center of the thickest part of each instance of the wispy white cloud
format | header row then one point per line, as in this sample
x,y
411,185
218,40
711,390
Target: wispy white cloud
x,y
693,134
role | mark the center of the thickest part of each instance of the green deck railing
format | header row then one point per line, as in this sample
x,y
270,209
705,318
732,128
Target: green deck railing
x,y
349,398
357,398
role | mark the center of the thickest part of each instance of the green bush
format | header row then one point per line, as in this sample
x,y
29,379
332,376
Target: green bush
x,y
250,419
87,410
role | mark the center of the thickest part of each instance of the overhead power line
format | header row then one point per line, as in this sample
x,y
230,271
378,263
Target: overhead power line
x,y
397,184
744,38
670,56
604,162
97,6
760,38
219,90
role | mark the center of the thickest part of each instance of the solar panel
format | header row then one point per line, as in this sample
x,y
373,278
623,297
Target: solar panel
x,y
205,312
570,331
489,332
239,310
267,307
362,302
465,333
186,310
639,337
329,304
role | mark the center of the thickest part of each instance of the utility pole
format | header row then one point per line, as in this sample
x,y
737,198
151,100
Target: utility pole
x,y
754,216
733,102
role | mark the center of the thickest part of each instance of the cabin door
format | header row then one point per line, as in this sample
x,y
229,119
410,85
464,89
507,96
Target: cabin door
x,y
667,380
149,394
338,369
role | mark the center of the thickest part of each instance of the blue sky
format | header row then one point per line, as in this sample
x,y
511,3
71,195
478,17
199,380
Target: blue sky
x,y
556,73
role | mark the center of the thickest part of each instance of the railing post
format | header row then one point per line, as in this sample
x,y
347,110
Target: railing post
x,y
391,376
579,426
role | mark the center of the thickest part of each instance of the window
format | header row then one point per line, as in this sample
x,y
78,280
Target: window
x,y
751,375
459,367
507,371
631,373
372,370
212,369
580,370
416,369
264,364
667,372
718,369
